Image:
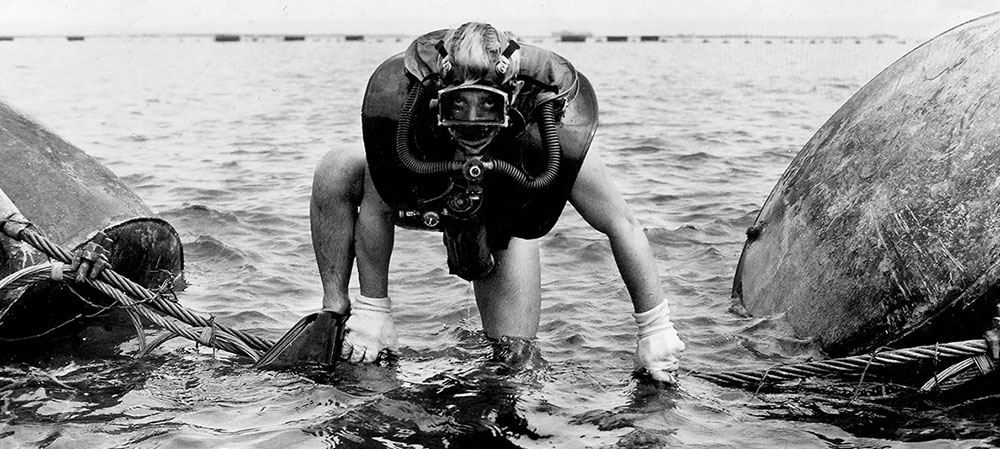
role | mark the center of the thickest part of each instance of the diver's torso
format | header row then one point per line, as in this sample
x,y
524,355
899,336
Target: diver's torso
x,y
504,207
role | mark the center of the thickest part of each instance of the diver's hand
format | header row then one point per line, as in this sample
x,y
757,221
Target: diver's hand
x,y
658,348
92,259
370,330
11,220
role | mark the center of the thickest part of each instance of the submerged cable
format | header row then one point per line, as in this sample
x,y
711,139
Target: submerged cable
x,y
848,365
121,288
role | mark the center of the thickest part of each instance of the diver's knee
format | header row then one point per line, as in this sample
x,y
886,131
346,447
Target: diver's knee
x,y
339,175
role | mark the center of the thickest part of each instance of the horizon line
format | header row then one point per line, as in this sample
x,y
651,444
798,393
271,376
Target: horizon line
x,y
554,35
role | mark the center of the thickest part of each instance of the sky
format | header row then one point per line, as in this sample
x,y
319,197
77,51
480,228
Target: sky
x,y
903,18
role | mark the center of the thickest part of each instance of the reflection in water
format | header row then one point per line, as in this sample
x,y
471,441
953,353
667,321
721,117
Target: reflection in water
x,y
474,407
887,410
490,395
222,141
480,405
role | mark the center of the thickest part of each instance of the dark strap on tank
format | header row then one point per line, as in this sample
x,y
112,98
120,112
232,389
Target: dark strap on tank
x,y
445,60
511,48
504,61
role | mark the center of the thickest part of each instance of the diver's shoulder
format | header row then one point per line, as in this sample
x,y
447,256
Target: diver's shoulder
x,y
548,69
420,57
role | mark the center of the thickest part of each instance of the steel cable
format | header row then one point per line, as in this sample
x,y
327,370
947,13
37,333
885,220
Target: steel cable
x,y
848,365
173,309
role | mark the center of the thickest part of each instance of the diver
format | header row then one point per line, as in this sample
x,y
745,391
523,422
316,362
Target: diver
x,y
15,254
484,139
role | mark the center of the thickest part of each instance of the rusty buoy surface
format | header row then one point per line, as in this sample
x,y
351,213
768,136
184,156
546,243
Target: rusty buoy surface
x,y
886,225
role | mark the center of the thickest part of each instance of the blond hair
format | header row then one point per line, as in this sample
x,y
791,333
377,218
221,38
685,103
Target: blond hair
x,y
474,50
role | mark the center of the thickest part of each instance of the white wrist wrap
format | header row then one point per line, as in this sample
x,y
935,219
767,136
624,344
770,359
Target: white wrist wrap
x,y
654,320
381,305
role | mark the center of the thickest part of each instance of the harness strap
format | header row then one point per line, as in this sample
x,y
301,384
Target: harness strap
x,y
504,61
502,65
445,60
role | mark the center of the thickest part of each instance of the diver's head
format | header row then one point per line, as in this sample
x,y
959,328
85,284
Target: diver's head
x,y
479,64
473,114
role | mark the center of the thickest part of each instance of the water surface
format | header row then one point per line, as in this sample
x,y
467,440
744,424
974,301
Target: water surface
x,y
222,139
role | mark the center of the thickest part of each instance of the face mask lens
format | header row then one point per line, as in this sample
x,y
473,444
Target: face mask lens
x,y
472,105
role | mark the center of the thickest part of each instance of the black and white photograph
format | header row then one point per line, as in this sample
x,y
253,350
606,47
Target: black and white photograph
x,y
528,224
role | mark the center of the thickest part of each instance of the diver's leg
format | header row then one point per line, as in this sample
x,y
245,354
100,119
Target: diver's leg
x,y
348,219
337,191
510,297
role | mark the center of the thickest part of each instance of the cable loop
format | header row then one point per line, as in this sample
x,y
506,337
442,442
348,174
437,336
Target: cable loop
x,y
154,307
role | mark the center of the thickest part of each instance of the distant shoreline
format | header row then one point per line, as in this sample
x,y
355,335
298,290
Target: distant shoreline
x,y
582,37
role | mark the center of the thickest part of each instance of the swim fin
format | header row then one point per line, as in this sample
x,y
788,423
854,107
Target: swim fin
x,y
316,339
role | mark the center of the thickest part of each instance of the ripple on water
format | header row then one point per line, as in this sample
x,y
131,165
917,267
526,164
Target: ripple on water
x,y
228,154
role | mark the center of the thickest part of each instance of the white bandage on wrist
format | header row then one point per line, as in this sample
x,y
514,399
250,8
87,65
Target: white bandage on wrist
x,y
654,320
381,305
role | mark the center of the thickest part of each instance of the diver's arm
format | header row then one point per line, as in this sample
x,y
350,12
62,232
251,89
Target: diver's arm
x,y
12,223
658,347
14,253
7,206
9,213
596,199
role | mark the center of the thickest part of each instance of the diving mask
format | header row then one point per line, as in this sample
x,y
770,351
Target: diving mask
x,y
473,105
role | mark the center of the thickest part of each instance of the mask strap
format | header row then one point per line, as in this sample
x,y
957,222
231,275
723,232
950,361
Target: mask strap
x,y
504,61
445,60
